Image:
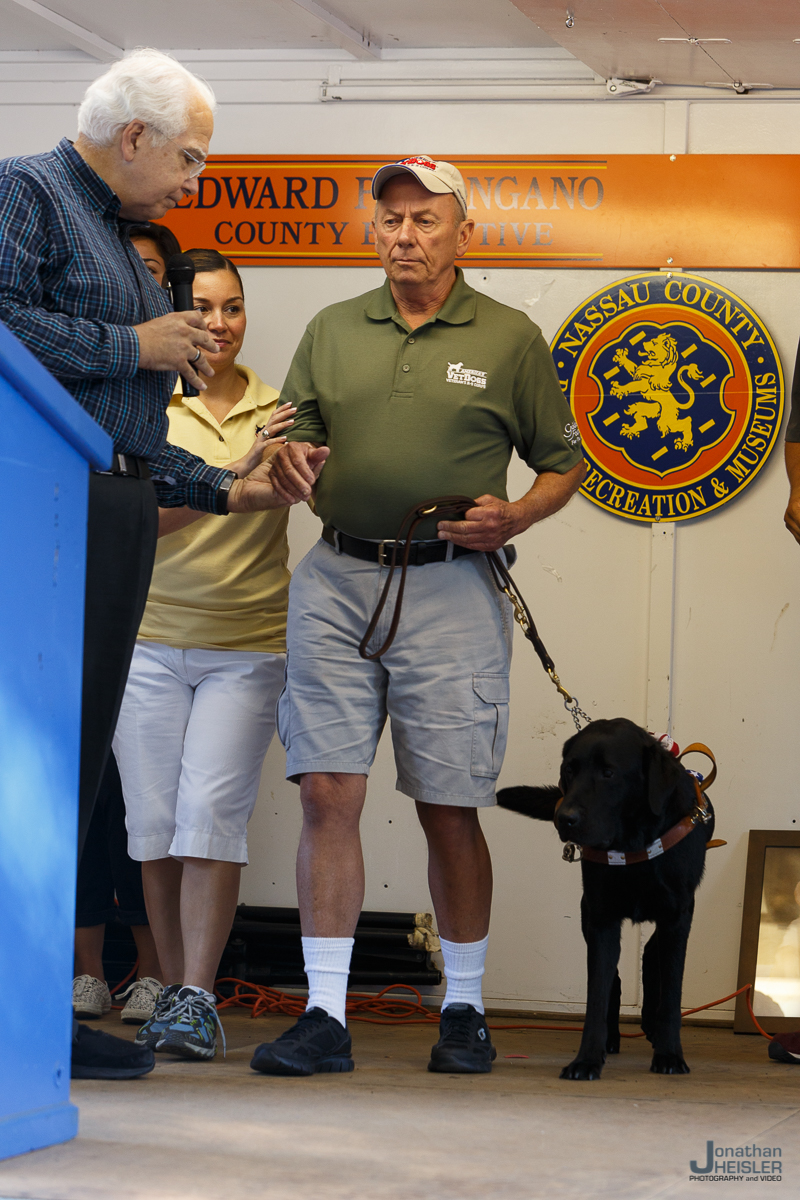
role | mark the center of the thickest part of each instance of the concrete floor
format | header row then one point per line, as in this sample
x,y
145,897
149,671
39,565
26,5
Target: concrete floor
x,y
392,1131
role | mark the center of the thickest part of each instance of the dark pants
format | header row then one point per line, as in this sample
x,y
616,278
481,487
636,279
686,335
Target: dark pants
x,y
121,547
106,870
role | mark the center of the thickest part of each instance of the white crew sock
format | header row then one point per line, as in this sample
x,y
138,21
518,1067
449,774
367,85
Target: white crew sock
x,y
327,963
463,968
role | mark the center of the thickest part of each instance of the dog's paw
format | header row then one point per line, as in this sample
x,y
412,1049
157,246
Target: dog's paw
x,y
582,1069
613,1043
669,1064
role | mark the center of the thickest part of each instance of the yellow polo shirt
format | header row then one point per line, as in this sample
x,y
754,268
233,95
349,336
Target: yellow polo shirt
x,y
221,583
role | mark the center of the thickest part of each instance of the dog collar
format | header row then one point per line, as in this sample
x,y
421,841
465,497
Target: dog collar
x,y
625,858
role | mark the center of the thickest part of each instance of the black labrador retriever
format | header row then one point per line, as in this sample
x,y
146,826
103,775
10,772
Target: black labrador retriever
x,y
623,793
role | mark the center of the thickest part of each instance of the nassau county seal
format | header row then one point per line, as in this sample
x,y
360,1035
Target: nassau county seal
x,y
677,391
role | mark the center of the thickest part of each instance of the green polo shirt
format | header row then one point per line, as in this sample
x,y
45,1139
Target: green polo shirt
x,y
409,415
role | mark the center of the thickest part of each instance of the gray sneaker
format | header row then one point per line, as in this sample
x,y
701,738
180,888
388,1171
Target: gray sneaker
x,y
191,1030
142,997
90,997
150,1033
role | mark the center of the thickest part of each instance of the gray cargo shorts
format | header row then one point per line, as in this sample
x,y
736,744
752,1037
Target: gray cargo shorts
x,y
444,683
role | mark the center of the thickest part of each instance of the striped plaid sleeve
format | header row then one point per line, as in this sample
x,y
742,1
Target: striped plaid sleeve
x,y
181,478
70,347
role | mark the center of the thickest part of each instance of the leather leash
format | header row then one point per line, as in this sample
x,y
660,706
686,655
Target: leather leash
x,y
456,506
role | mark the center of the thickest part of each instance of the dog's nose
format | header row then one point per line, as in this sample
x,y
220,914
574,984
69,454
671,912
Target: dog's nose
x,y
567,821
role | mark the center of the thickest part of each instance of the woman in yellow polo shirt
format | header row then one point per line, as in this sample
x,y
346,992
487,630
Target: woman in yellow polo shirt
x,y
199,708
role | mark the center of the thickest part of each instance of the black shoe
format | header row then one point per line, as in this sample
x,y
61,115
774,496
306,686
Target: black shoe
x,y
464,1046
316,1043
785,1047
98,1055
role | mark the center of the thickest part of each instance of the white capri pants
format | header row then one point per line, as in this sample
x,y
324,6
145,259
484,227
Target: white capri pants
x,y
192,734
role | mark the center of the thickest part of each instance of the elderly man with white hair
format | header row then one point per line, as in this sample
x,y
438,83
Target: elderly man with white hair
x,y
75,291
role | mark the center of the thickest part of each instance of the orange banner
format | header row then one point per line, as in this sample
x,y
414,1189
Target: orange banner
x,y
627,210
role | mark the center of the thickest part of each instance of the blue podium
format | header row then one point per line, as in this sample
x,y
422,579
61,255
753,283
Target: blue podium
x,y
48,446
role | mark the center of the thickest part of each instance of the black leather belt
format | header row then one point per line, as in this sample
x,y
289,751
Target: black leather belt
x,y
381,552
126,464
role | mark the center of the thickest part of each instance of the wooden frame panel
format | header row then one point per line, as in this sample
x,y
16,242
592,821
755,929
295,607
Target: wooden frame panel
x,y
761,840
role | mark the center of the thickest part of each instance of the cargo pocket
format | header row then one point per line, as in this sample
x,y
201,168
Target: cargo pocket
x,y
490,728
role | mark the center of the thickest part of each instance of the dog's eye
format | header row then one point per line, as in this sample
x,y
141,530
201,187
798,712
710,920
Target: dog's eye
x,y
607,772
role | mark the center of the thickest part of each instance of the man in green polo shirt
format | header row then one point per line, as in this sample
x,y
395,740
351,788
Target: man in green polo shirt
x,y
419,389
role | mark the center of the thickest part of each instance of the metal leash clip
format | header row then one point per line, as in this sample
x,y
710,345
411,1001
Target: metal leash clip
x,y
568,853
700,814
519,611
570,703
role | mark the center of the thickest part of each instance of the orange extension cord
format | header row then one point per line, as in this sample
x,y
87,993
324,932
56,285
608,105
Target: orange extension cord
x,y
385,1010
265,1001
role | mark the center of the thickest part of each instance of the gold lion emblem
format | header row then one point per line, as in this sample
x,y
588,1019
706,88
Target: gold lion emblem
x,y
652,379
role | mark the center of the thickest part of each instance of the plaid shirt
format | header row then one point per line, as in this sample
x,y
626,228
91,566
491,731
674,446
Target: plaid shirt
x,y
71,288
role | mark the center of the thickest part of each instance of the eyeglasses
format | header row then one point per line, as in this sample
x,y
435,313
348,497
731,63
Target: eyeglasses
x,y
200,163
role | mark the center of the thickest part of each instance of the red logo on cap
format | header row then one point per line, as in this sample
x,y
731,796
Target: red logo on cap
x,y
418,161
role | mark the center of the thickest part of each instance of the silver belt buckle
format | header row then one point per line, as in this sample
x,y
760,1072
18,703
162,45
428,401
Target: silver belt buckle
x,y
381,552
122,466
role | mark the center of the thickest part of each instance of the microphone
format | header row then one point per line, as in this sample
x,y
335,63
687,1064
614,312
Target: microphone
x,y
180,275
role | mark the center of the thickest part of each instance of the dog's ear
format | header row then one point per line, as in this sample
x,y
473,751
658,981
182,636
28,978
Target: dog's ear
x,y
660,776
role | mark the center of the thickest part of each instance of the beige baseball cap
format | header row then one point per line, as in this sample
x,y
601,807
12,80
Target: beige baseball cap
x,y
434,176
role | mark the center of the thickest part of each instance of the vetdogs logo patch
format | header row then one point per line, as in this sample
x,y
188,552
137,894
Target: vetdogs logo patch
x,y
677,391
458,373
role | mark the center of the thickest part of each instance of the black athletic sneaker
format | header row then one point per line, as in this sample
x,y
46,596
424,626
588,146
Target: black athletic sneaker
x,y
98,1055
785,1047
316,1043
464,1046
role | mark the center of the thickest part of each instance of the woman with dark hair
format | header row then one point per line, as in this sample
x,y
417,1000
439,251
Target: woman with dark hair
x,y
199,707
156,244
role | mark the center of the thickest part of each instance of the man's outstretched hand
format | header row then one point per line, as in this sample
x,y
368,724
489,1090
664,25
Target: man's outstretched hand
x,y
791,518
260,489
295,469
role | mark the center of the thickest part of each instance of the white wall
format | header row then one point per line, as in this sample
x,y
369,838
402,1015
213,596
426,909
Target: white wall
x,y
586,573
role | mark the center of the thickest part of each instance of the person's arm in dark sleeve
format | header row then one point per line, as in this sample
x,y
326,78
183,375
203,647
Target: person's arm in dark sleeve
x,y
70,347
182,479
546,437
791,518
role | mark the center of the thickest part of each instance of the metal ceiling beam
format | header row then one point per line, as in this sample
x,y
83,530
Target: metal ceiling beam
x,y
635,39
76,35
342,34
